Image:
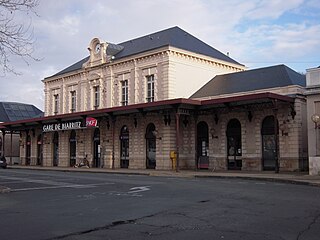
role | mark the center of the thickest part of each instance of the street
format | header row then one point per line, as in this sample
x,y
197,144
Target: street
x,y
72,205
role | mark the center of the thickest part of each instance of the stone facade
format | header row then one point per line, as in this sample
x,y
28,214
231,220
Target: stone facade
x,y
313,108
292,147
172,68
202,135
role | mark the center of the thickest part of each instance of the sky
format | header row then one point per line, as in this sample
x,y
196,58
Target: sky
x,y
256,33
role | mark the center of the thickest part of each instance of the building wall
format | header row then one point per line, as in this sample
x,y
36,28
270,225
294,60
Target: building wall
x,y
292,146
171,68
191,71
313,100
10,144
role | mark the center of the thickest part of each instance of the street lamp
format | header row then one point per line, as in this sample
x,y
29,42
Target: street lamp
x,y
316,119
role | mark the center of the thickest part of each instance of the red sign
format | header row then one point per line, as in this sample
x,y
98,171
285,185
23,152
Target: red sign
x,y
91,122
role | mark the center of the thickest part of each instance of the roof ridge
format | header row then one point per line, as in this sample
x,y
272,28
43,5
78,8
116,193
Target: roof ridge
x,y
147,35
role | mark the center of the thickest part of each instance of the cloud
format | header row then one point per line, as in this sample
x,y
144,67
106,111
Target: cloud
x,y
272,8
255,32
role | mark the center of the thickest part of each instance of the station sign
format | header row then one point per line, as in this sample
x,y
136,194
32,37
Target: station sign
x,y
70,125
62,126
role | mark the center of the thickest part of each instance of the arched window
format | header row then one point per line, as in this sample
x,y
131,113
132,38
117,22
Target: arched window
x,y
0,146
55,149
234,148
202,145
39,149
151,146
28,150
73,148
124,147
269,150
96,148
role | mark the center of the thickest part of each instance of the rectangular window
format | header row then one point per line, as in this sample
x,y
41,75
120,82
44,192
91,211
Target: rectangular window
x,y
73,101
56,103
150,88
124,93
96,91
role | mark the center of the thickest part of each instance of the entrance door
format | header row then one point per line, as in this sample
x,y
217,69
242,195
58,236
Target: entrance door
x,y
28,150
124,150
234,145
151,146
55,149
202,145
269,153
96,148
73,148
39,150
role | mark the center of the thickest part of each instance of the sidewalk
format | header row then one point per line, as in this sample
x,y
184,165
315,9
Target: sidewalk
x,y
287,177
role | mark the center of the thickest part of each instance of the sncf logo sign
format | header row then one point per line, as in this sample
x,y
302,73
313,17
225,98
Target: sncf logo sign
x,y
91,122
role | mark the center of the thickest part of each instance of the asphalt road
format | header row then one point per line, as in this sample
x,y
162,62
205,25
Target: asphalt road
x,y
70,205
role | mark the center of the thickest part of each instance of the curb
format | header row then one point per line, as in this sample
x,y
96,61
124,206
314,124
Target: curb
x,y
171,174
87,170
265,179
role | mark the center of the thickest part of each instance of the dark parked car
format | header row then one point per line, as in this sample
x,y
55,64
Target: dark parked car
x,y
3,162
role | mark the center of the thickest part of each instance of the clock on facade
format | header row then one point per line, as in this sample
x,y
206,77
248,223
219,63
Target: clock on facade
x,y
97,48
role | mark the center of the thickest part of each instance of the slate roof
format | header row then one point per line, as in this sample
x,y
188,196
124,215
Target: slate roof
x,y
250,80
12,111
174,36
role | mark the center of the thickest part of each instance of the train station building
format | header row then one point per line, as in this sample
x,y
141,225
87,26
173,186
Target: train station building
x,y
168,96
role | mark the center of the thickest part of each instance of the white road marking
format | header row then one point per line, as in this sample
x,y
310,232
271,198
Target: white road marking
x,y
260,183
10,182
61,186
54,184
139,189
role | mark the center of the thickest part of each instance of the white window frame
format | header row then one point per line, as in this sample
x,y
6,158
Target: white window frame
x,y
73,101
56,104
124,92
96,95
150,88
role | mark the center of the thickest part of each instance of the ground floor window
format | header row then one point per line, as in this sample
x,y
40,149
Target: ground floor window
x,y
151,146
55,149
96,149
269,153
73,148
39,150
202,145
124,147
234,146
0,146
28,150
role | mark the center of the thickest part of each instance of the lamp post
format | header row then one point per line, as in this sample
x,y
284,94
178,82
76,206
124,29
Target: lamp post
x,y
316,119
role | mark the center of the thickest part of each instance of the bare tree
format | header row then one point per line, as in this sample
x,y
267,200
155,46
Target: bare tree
x,y
16,37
